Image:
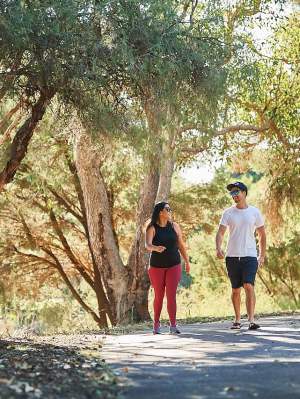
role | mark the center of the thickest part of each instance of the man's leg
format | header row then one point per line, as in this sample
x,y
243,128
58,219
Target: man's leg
x,y
235,275
250,301
249,273
236,301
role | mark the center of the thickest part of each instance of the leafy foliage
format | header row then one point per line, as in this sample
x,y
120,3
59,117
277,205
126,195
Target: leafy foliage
x,y
149,81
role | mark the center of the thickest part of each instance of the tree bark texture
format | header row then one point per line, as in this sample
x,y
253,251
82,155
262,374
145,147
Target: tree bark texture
x,y
167,165
138,261
104,247
22,138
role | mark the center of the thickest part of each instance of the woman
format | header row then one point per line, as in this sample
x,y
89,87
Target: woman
x,y
164,241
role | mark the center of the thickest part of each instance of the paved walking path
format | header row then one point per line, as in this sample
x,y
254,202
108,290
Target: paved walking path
x,y
210,361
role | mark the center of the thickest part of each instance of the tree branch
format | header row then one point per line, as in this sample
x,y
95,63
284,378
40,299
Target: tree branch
x,y
228,129
66,204
72,289
78,266
32,256
22,138
9,115
11,127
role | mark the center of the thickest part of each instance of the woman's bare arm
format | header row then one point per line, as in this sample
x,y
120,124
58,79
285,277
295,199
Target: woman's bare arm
x,y
182,247
148,241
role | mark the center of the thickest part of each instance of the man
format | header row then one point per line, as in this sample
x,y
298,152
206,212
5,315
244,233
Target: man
x,y
243,221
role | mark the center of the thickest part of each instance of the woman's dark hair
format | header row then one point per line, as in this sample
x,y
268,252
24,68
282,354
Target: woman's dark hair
x,y
155,214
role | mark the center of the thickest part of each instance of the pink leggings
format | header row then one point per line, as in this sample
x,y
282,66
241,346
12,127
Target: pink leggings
x,y
165,279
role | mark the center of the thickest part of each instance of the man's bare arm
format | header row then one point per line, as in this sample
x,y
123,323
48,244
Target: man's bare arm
x,y
219,239
262,242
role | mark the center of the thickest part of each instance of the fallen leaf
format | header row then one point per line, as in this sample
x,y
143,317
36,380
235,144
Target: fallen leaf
x,y
21,387
86,366
6,381
23,365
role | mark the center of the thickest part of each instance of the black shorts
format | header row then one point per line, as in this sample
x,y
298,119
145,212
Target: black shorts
x,y
241,270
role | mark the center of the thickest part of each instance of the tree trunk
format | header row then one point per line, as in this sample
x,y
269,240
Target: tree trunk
x,y
139,258
102,240
165,180
158,185
167,166
127,287
104,304
138,261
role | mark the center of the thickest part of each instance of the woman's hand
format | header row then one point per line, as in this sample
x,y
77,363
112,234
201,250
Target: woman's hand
x,y
159,248
187,267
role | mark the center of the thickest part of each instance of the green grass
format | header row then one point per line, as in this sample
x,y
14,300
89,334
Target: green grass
x,y
201,302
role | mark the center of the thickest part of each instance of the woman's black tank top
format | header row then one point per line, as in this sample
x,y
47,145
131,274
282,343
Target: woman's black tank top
x,y
167,237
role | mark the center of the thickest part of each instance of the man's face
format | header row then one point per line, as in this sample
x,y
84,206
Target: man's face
x,y
237,194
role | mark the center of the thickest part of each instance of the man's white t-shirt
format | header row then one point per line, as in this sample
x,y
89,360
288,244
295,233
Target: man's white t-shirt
x,y
242,224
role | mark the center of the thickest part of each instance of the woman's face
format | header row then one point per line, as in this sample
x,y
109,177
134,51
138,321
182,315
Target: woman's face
x,y
166,212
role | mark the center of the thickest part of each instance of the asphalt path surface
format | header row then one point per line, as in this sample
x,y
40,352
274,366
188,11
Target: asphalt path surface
x,y
210,361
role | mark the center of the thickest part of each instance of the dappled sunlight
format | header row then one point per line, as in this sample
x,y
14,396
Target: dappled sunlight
x,y
207,344
138,139
281,338
209,355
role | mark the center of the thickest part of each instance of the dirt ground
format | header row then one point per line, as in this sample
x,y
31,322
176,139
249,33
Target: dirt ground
x,y
58,367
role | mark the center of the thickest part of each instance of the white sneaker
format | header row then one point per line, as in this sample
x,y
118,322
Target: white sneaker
x,y
156,330
174,330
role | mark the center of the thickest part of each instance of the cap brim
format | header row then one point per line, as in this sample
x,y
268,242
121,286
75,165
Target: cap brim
x,y
231,186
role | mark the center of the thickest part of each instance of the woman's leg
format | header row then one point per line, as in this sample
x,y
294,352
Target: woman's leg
x,y
173,276
157,279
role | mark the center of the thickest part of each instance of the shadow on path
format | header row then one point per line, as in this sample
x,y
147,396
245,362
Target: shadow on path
x,y
211,361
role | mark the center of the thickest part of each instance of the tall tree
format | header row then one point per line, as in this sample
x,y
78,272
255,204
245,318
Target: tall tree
x,y
163,64
47,48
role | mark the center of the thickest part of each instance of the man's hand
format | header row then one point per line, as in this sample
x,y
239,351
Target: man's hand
x,y
220,253
219,238
261,260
